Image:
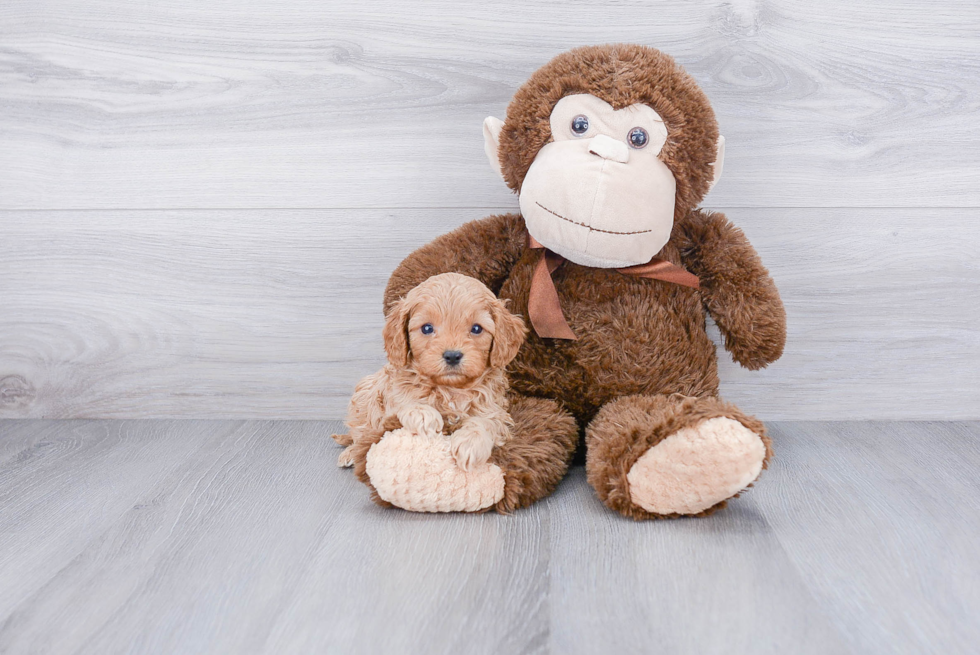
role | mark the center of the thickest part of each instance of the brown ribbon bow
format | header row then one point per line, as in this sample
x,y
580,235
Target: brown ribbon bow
x,y
544,308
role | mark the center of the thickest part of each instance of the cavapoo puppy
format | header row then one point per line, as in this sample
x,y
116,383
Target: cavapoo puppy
x,y
448,342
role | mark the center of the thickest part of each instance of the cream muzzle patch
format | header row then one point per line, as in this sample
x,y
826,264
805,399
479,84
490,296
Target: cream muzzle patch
x,y
598,194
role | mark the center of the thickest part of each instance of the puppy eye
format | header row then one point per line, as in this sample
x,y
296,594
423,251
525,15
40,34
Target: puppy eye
x,y
476,329
580,124
639,137
428,329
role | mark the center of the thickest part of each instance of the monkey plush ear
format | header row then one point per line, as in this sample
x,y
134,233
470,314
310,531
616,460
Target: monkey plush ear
x,y
719,161
491,140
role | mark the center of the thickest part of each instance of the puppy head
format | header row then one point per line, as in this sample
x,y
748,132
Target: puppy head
x,y
451,328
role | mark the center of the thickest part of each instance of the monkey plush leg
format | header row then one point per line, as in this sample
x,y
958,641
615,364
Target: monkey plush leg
x,y
536,457
417,472
660,456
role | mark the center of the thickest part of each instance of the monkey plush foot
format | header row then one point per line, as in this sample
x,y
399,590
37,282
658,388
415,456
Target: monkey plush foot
x,y
417,472
666,456
697,467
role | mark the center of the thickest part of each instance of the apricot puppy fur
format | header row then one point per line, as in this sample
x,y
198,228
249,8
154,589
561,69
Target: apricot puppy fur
x,y
448,342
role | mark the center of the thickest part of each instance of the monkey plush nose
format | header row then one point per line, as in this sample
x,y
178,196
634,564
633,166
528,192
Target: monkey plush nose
x,y
452,357
609,148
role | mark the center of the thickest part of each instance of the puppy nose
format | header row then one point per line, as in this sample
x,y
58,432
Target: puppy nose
x,y
609,148
452,357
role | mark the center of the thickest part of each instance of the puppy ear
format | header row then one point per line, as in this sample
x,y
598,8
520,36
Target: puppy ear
x,y
509,333
395,333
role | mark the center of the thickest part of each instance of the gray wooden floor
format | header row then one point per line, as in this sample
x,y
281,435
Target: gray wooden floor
x,y
195,536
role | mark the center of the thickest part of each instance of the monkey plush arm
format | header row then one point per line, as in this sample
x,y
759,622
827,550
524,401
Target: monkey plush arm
x,y
486,249
737,289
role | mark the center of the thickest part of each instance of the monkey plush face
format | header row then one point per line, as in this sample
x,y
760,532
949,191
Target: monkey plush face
x,y
598,194
599,170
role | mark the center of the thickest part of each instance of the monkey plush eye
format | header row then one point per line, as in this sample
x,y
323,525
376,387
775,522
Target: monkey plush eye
x,y
580,124
639,137
476,329
428,329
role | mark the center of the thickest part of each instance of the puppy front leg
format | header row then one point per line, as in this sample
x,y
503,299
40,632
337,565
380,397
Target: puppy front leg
x,y
357,433
421,418
365,416
472,443
346,458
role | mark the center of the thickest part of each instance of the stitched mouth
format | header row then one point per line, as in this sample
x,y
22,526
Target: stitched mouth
x,y
592,229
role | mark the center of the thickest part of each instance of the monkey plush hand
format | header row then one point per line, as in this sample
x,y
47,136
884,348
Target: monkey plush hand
x,y
611,149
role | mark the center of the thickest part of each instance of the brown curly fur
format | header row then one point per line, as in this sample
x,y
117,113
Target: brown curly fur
x,y
536,458
637,336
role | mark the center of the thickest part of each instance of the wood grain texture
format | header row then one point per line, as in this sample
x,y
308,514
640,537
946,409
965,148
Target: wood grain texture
x,y
277,314
888,506
182,104
93,463
719,586
257,543
231,536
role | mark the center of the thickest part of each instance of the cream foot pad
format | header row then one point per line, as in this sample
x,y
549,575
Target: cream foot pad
x,y
417,473
697,467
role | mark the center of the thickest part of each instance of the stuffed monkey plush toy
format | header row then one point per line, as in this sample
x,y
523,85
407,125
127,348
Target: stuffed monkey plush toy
x,y
611,149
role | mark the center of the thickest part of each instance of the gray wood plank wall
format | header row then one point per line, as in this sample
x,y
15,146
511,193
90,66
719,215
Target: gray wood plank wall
x,y
200,202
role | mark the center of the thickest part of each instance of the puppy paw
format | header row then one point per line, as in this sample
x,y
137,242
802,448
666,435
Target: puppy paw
x,y
346,459
342,439
421,418
470,448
